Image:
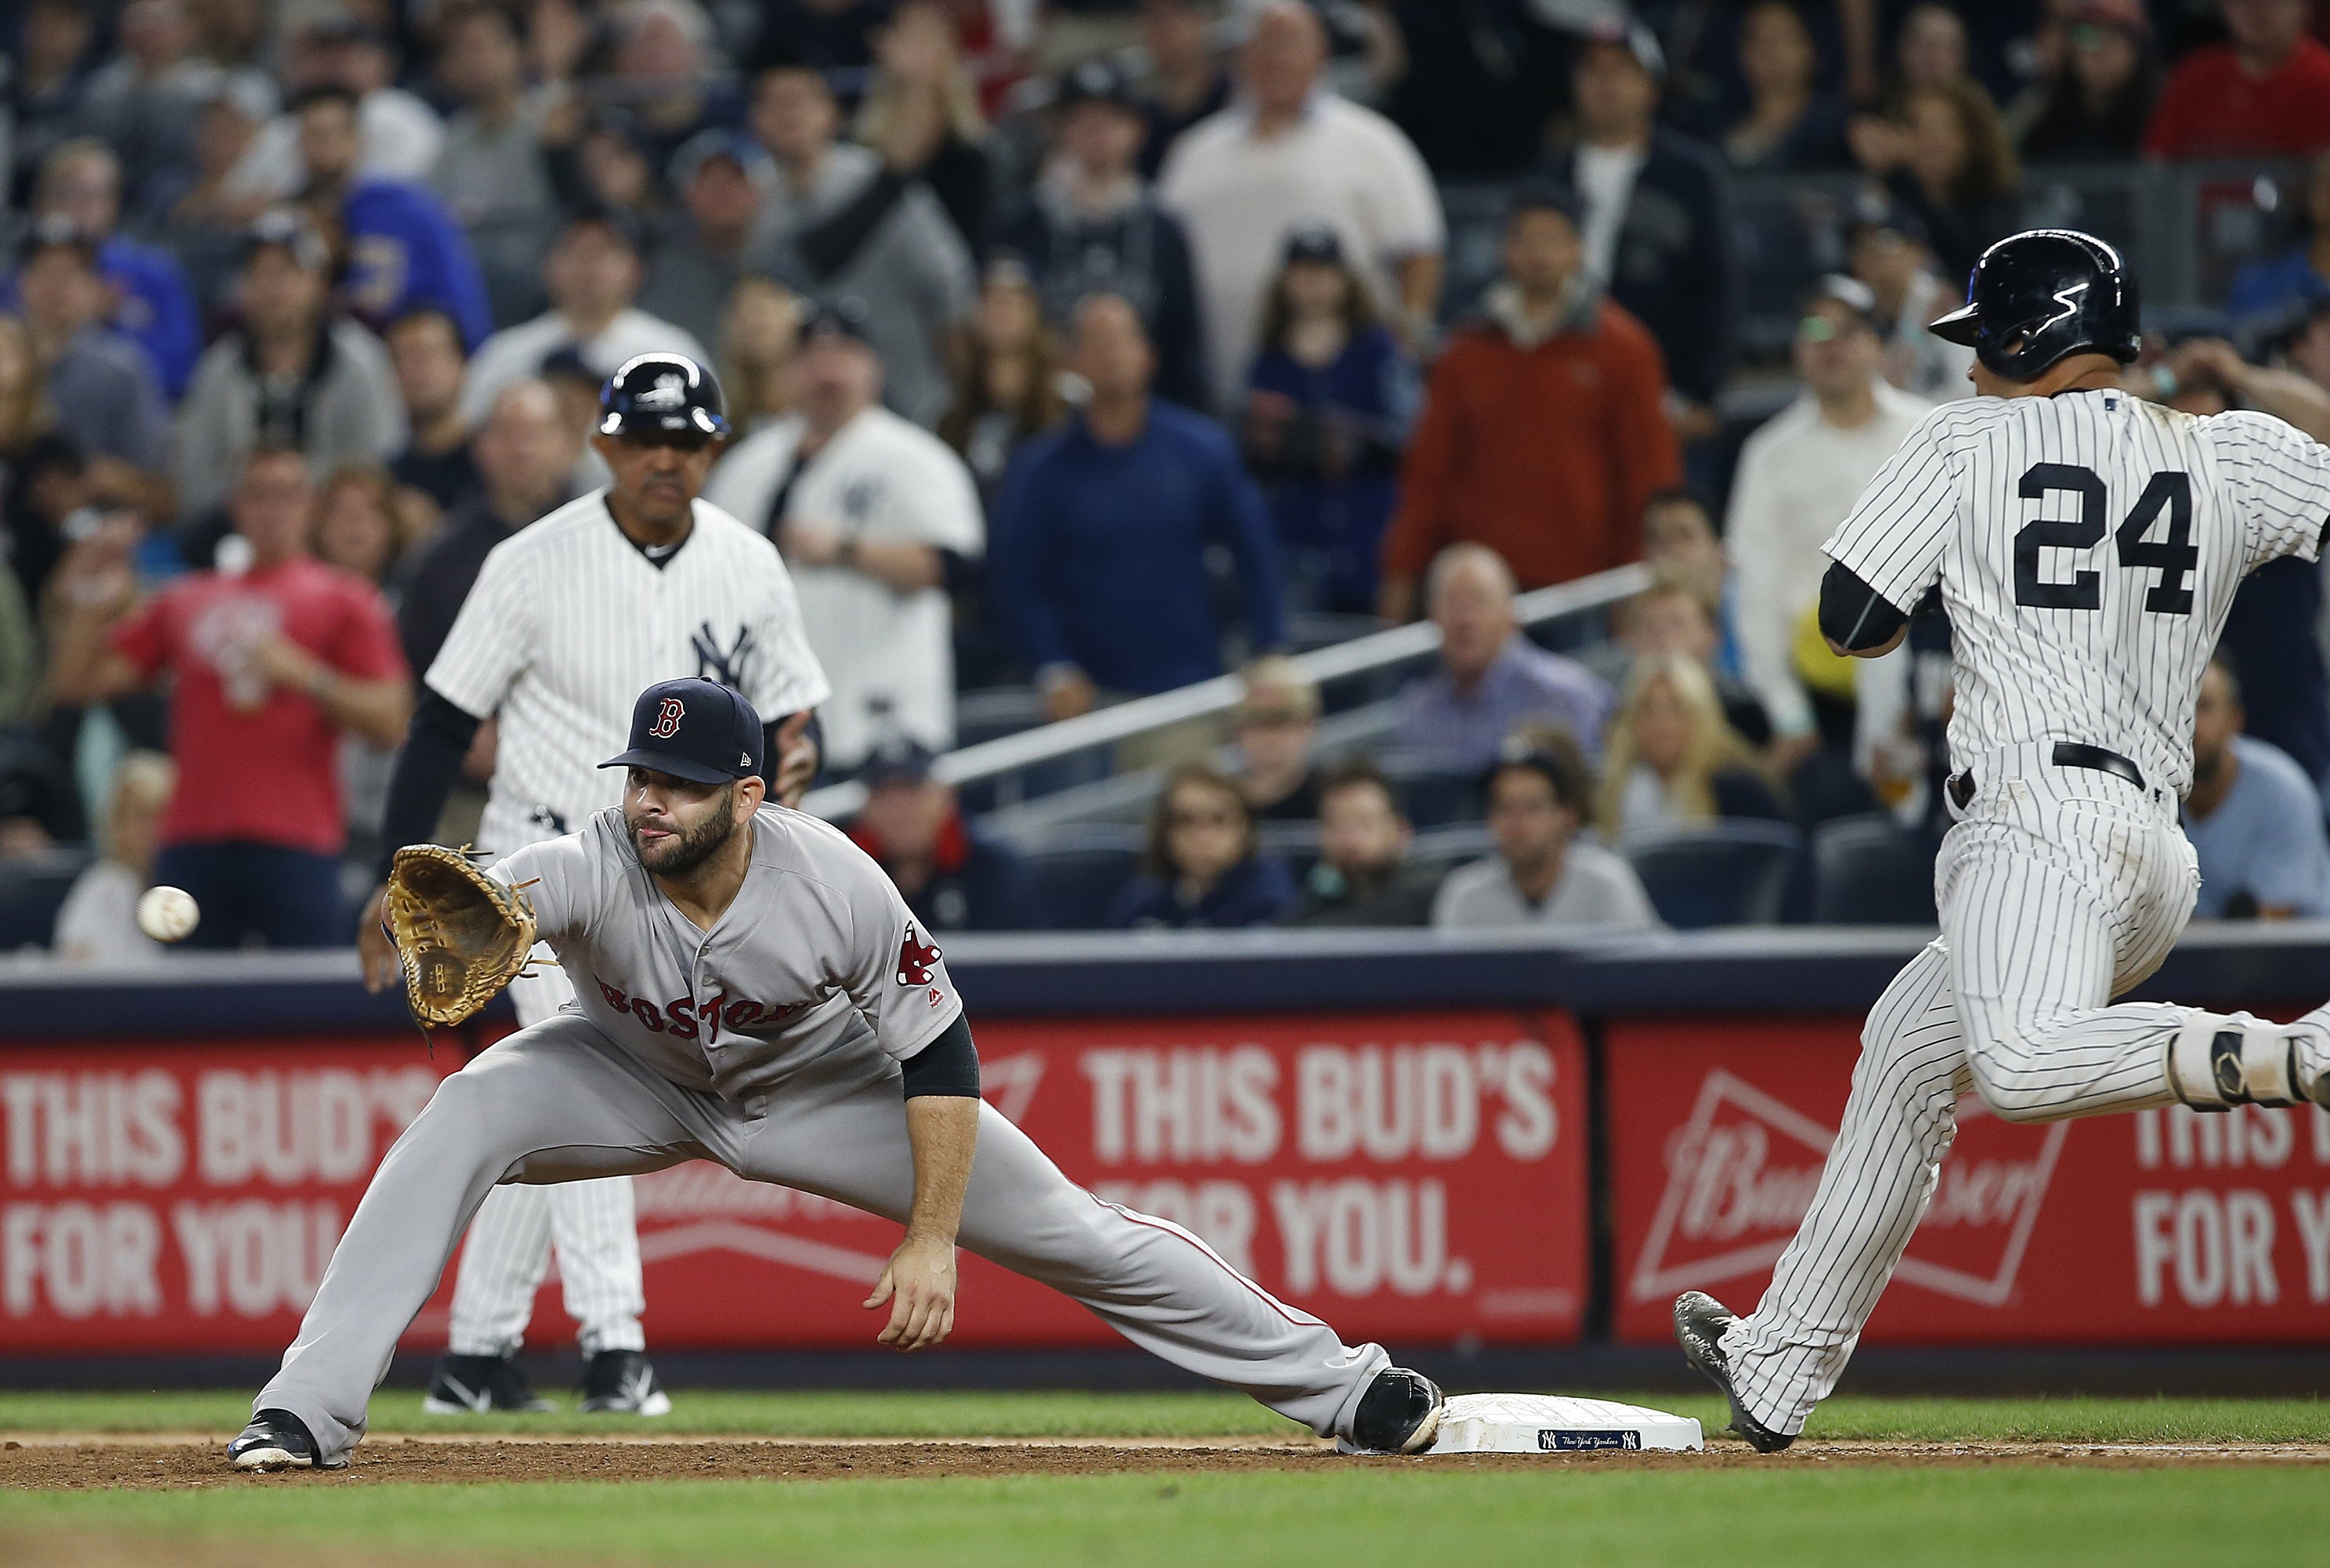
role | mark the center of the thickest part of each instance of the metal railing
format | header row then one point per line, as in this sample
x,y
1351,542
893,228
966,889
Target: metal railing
x,y
1107,726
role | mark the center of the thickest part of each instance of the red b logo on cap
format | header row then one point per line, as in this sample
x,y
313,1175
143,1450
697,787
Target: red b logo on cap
x,y
667,724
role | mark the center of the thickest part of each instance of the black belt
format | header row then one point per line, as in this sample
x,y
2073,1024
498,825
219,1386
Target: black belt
x,y
2067,754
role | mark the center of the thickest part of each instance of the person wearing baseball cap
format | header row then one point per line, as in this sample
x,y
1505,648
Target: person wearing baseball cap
x,y
292,373
1092,222
868,507
721,176
102,386
952,875
1675,274
594,273
1887,249
697,730
1799,474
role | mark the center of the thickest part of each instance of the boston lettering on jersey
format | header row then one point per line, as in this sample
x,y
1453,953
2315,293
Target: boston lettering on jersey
x,y
681,1014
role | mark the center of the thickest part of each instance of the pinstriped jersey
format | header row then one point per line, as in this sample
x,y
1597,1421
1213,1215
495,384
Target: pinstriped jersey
x,y
2087,547
569,621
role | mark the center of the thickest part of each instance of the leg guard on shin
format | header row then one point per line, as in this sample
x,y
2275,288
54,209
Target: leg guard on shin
x,y
2219,1061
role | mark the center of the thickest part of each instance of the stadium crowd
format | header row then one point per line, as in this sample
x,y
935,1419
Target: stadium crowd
x,y
1082,350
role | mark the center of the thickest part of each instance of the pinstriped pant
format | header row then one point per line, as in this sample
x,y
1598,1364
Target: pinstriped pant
x,y
593,1224
2060,889
560,1101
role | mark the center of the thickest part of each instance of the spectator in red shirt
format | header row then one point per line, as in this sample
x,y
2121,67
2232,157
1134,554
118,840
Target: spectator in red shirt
x,y
1544,430
273,656
2264,94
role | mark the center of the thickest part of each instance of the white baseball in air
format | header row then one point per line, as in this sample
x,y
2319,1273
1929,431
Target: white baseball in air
x,y
168,914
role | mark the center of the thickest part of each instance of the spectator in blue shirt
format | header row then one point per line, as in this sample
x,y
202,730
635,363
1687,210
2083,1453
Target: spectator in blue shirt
x,y
101,389
402,249
1205,869
1329,403
81,183
1103,525
1491,678
2253,817
2273,288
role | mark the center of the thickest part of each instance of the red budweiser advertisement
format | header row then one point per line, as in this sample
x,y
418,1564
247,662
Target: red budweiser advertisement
x,y
1418,1178
2165,1227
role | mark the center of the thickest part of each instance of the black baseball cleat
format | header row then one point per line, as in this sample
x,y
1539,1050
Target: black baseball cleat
x,y
622,1382
1399,1413
1699,1321
276,1440
465,1385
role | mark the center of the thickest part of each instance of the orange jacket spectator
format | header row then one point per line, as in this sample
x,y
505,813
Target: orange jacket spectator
x,y
2265,94
1542,445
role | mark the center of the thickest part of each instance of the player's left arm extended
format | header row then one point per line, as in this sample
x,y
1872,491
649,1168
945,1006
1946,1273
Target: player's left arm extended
x,y
1858,622
941,1089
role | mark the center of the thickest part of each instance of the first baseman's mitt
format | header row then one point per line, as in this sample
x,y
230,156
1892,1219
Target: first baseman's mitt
x,y
460,935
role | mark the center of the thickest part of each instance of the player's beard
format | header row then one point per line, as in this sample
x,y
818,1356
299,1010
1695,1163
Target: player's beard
x,y
691,847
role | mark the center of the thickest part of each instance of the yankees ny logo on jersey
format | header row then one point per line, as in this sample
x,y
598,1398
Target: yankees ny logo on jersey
x,y
727,667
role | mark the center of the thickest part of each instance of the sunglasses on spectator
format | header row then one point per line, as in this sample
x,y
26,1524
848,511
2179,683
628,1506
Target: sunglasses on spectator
x,y
1825,328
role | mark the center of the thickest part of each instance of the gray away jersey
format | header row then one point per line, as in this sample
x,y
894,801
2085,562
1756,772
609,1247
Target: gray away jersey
x,y
817,950
569,622
2087,547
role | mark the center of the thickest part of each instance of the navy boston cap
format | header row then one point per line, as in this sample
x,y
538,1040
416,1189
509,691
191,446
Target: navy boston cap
x,y
695,729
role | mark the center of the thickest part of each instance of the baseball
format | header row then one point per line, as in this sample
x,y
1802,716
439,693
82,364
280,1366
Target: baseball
x,y
168,914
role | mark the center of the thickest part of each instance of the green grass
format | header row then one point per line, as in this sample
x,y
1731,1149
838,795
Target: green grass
x,y
1800,1516
1788,1514
909,1414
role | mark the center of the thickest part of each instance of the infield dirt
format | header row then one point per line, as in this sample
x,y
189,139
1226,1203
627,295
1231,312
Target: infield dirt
x,y
145,1462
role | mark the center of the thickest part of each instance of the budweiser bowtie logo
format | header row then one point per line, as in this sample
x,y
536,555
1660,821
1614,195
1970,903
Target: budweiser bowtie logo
x,y
1741,1173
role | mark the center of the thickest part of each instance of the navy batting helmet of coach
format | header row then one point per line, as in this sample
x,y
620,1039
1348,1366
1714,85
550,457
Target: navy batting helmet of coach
x,y
2036,297
662,392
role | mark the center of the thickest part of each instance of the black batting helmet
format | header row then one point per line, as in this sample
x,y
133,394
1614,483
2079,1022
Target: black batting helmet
x,y
2036,297
661,392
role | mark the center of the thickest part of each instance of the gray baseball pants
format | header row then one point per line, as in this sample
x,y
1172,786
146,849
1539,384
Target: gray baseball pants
x,y
559,1101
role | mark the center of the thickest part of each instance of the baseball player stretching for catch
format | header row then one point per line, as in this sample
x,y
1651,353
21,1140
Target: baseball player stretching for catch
x,y
753,990
568,619
2087,546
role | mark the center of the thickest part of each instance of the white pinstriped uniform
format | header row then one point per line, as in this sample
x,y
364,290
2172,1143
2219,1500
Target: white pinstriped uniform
x,y
568,622
2087,547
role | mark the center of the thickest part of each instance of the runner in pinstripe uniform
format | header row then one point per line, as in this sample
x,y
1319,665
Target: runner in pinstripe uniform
x,y
568,620
2087,546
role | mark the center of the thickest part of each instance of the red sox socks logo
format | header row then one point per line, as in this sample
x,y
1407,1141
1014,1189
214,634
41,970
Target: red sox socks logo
x,y
917,961
667,717
1741,1172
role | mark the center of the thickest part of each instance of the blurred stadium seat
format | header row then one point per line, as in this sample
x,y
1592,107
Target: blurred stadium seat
x,y
1074,870
1869,870
31,890
1734,873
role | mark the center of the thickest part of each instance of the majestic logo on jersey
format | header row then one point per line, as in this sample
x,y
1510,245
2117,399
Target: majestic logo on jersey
x,y
917,960
726,667
667,717
549,819
669,391
1742,1171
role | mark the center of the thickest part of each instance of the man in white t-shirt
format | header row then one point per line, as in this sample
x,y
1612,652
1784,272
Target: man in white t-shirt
x,y
865,506
1798,477
594,273
1287,154
1542,874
